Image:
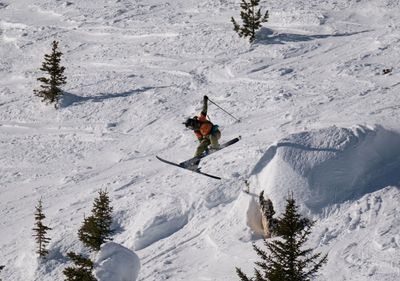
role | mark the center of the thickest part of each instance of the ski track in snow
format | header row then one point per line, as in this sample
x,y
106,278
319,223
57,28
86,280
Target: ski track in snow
x,y
136,70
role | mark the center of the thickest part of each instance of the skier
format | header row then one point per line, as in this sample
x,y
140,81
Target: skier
x,y
208,135
206,132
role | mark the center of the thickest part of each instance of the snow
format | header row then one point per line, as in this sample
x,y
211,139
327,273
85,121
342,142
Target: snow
x,y
158,220
116,263
362,236
318,118
329,166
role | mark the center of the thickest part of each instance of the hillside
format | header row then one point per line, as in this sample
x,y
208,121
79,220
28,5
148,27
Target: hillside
x,y
318,117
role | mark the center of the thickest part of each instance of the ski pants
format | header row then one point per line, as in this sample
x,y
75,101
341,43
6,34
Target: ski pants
x,y
211,140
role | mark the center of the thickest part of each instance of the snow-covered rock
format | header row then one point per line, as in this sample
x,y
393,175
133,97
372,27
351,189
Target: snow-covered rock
x,y
116,263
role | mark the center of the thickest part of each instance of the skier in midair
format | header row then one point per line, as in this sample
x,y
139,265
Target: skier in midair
x,y
206,132
208,135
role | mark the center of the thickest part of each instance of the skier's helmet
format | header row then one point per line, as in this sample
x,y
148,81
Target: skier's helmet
x,y
190,123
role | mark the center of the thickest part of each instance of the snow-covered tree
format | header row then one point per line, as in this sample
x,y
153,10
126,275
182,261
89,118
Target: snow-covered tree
x,y
50,91
284,258
96,229
82,269
41,230
252,19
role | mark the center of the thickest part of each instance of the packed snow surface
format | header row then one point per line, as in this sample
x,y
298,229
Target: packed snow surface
x,y
318,99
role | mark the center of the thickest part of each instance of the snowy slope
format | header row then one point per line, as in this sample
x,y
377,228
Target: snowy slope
x,y
137,69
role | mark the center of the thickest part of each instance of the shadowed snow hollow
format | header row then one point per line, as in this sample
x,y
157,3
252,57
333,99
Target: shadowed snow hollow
x,y
328,166
159,220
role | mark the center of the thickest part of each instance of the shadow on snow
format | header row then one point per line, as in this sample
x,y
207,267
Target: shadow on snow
x,y
70,99
267,36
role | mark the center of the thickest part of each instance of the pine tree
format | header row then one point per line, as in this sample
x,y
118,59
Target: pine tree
x,y
41,231
252,19
1,268
96,229
49,90
267,209
286,260
82,270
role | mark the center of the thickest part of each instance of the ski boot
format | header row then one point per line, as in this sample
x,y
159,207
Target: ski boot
x,y
193,166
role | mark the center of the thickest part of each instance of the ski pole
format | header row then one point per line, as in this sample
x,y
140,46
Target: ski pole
x,y
224,110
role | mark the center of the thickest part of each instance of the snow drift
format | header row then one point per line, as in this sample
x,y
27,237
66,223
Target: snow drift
x,y
116,263
329,166
159,221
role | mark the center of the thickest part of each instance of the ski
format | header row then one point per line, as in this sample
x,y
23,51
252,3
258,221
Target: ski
x,y
196,159
188,164
194,171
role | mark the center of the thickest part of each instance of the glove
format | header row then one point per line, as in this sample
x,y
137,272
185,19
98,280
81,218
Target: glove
x,y
205,98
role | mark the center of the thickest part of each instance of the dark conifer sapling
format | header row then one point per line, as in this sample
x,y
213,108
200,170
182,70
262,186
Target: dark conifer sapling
x,y
252,19
96,229
40,231
50,91
1,268
284,258
82,269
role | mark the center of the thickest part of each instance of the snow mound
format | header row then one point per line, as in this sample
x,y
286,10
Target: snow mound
x,y
329,166
116,263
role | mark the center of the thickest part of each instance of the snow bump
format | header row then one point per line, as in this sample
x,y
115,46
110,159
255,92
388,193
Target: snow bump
x,y
116,263
329,166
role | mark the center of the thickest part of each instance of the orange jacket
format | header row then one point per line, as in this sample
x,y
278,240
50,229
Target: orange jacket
x,y
205,126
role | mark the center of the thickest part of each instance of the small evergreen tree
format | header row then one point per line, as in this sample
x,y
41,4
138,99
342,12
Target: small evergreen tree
x,y
96,229
267,209
49,90
1,268
285,259
41,230
252,19
82,269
